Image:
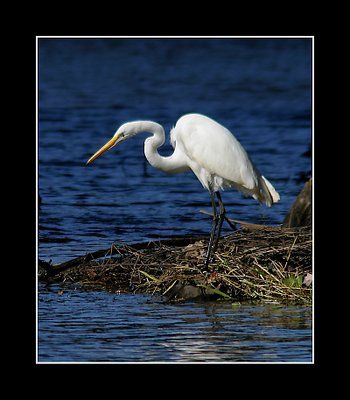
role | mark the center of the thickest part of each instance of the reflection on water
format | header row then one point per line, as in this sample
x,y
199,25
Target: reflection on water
x,y
79,326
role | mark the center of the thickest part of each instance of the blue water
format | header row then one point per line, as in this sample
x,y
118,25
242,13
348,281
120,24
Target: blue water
x,y
259,88
79,326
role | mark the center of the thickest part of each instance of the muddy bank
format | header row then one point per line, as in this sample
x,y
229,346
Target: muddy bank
x,y
262,264
254,263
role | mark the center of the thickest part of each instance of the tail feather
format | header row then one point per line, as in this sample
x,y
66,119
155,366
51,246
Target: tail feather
x,y
270,194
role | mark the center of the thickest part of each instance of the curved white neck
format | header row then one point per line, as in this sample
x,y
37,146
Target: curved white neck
x,y
170,164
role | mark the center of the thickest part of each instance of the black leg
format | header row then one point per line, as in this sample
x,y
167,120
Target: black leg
x,y
223,213
232,224
217,224
213,229
220,222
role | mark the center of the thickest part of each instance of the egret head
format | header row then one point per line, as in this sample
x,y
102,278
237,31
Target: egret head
x,y
124,132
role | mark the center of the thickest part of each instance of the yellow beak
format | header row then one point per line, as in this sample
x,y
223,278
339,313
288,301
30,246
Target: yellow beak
x,y
104,148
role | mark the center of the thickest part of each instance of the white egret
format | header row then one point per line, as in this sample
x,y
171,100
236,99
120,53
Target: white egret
x,y
212,153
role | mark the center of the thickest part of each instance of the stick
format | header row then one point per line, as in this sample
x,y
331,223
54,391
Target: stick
x,y
246,225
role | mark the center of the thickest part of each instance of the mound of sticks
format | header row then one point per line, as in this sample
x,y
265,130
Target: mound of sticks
x,y
254,263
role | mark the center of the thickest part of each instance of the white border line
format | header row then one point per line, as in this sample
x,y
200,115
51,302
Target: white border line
x,y
313,191
37,191
174,37
36,198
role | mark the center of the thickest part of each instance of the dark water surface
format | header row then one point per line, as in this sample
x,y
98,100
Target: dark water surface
x,y
79,326
259,88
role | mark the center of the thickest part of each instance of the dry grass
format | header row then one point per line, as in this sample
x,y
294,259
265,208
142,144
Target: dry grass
x,y
261,264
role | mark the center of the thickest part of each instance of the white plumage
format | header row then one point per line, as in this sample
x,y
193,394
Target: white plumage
x,y
208,149
218,159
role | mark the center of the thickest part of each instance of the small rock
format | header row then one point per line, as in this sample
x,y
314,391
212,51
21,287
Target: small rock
x,y
307,280
300,214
